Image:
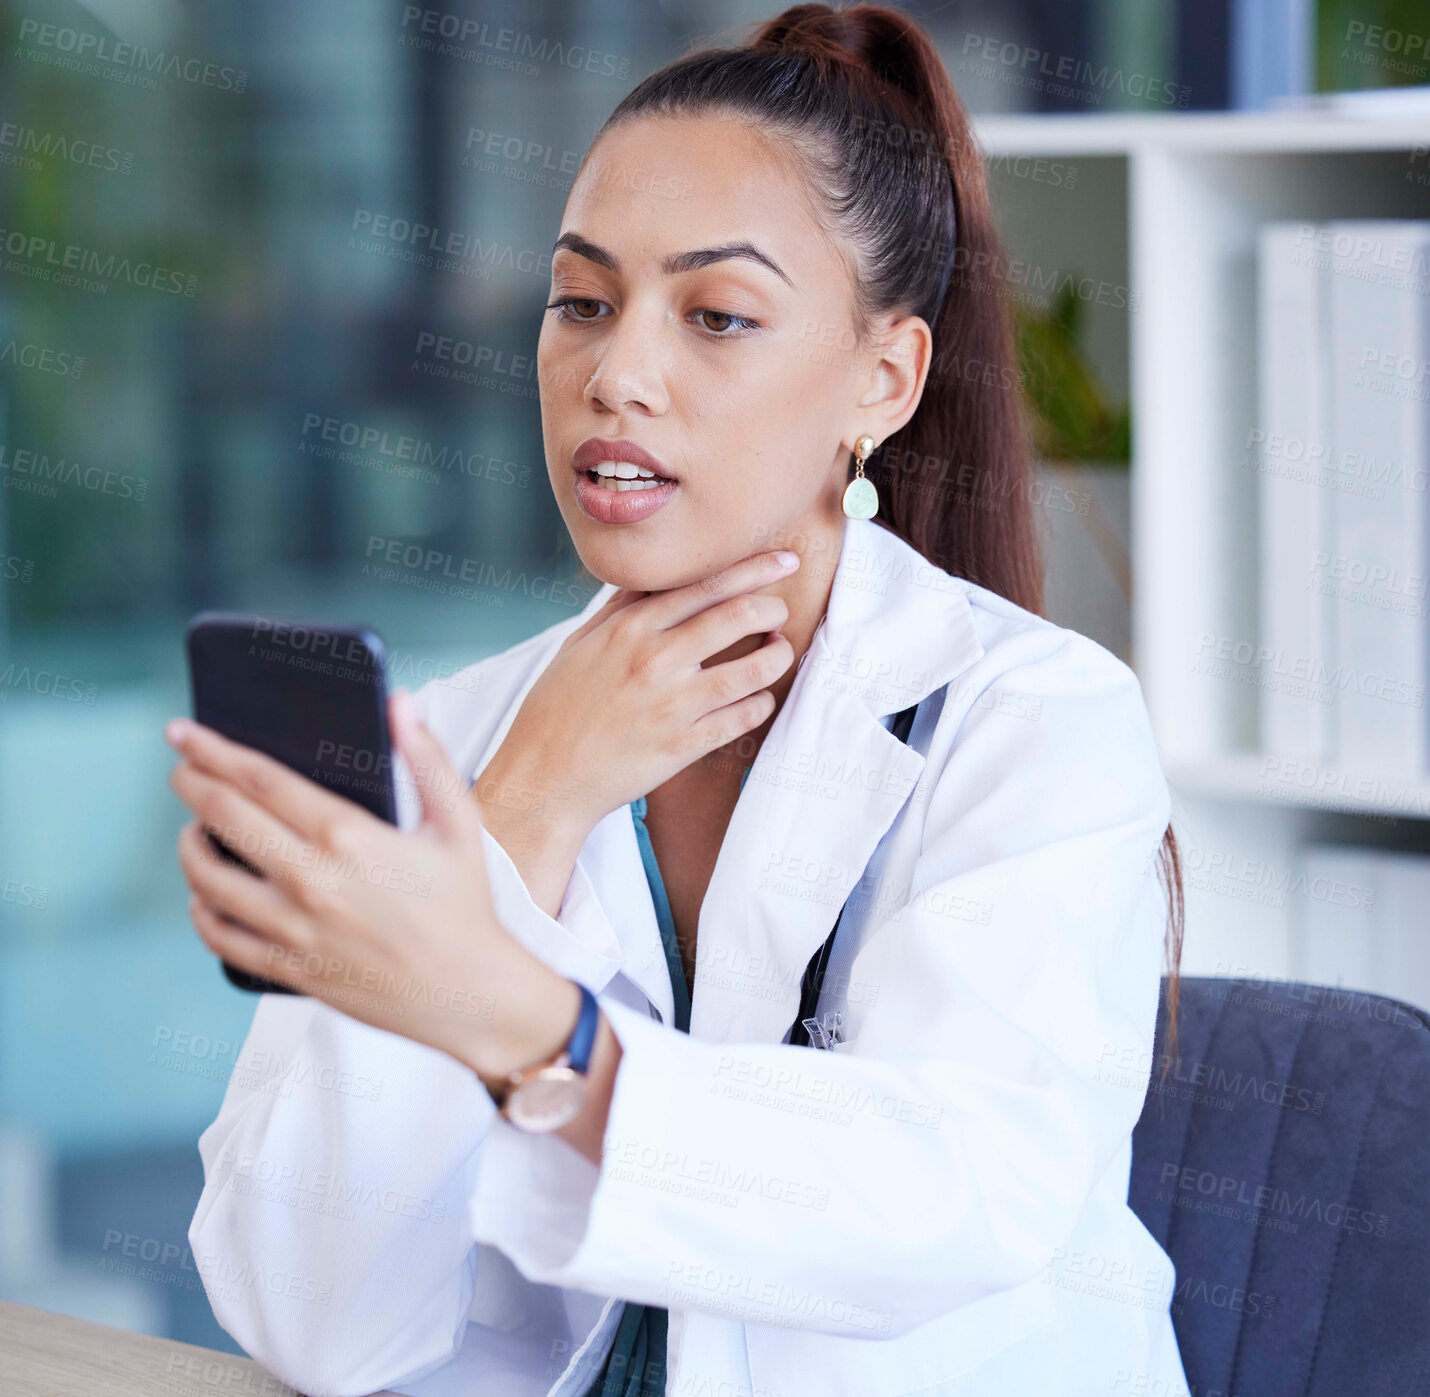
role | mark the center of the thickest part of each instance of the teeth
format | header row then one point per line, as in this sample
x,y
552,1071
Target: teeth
x,y
623,470
610,482
622,475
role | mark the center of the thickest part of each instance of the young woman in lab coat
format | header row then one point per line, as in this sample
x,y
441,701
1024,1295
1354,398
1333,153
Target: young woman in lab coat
x,y
773,259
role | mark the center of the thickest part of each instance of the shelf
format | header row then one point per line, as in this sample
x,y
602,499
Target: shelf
x,y
1213,133
1168,205
1304,785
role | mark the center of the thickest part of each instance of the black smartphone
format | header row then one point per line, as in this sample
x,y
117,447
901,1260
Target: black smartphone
x,y
313,697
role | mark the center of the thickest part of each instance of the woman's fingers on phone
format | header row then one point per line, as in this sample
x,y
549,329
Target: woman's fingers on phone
x,y
237,945
759,570
288,800
446,803
244,826
227,940
720,686
252,903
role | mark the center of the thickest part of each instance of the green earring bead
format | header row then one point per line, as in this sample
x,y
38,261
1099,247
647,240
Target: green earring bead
x,y
861,499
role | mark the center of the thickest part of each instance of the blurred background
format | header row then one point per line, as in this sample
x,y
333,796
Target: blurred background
x,y
227,381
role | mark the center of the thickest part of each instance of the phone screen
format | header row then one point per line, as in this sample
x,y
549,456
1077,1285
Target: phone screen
x,y
311,697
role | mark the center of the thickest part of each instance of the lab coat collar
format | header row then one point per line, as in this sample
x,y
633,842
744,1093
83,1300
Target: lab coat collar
x,y
827,783
896,627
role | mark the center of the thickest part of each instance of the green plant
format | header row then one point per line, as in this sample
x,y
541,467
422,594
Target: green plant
x,y
1073,419
1370,43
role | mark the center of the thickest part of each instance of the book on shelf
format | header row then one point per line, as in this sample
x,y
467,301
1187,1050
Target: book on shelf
x,y
1292,343
1378,555
1343,357
1361,921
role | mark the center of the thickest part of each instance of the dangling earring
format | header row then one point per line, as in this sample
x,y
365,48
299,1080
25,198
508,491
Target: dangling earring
x,y
861,499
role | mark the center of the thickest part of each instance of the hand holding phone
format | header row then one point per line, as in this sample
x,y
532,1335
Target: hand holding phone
x,y
394,927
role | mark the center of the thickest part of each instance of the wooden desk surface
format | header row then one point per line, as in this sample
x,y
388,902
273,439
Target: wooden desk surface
x,y
48,1355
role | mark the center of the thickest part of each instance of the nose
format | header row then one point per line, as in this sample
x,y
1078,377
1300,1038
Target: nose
x,y
629,372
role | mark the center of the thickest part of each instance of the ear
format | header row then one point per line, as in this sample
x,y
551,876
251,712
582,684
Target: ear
x,y
901,357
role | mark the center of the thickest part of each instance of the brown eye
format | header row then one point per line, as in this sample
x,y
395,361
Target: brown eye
x,y
565,308
734,326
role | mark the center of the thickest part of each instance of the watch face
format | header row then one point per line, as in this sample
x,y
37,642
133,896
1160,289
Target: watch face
x,y
548,1100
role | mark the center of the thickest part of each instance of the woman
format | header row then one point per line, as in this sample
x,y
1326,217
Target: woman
x,y
774,709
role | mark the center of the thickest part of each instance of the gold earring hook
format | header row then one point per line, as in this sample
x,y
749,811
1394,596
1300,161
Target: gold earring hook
x,y
861,499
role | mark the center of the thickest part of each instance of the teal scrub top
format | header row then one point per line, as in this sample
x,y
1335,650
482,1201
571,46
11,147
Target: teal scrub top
x,y
635,1367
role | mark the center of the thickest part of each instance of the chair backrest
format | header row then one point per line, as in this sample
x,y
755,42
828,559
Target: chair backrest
x,y
1285,1168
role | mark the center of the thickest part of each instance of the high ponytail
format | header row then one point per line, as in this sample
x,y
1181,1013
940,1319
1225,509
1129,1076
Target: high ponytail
x,y
862,97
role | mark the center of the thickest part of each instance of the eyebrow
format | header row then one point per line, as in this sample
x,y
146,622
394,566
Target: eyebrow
x,y
674,262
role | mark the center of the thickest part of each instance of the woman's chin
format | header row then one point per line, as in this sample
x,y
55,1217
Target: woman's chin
x,y
623,560
634,569
633,578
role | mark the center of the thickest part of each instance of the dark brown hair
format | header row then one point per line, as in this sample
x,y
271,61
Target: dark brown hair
x,y
861,97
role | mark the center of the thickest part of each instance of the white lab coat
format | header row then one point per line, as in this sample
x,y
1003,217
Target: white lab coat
x,y
938,1207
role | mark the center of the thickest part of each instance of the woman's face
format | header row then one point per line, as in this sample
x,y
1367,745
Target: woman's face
x,y
736,371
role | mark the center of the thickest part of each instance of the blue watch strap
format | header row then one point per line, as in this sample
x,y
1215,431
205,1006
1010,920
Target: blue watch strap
x,y
583,1036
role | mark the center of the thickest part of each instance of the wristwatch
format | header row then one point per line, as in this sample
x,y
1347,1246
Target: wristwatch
x,y
546,1095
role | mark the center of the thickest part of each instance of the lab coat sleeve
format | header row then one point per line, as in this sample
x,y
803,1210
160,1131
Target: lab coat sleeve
x,y
948,1154
333,1234
334,1231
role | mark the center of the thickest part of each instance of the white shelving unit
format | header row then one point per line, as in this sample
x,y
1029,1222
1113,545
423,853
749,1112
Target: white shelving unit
x,y
1166,207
